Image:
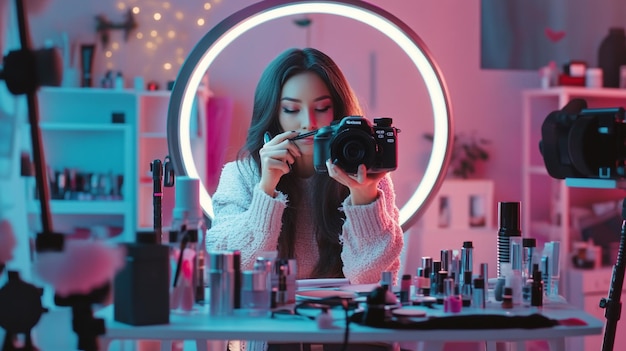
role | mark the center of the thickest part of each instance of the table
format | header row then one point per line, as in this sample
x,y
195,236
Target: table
x,y
200,327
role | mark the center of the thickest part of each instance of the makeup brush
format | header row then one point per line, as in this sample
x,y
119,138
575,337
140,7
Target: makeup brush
x,y
304,135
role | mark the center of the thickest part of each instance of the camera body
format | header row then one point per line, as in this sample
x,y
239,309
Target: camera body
x,y
354,141
578,142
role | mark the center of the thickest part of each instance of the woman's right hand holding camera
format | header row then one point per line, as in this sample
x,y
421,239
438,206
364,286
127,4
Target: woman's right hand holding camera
x,y
277,156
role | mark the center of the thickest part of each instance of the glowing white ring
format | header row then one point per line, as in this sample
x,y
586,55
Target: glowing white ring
x,y
220,36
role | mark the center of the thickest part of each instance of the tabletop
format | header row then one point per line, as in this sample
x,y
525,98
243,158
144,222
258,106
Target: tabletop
x,y
287,328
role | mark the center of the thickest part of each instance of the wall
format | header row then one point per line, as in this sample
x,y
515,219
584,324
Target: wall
x,y
485,100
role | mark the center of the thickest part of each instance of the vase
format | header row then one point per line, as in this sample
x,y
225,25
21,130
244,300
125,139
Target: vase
x,y
612,55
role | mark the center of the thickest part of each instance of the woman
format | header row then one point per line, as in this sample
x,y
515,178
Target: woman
x,y
334,224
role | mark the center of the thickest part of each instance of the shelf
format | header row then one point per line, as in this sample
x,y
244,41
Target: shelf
x,y
537,170
87,207
83,127
154,135
577,91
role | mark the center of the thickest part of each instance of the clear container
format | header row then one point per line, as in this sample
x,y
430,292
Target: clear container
x,y
255,295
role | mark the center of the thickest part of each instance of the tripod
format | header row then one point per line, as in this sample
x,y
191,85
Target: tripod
x,y
612,304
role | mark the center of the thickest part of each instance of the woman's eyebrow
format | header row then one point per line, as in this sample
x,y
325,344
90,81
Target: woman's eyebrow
x,y
324,97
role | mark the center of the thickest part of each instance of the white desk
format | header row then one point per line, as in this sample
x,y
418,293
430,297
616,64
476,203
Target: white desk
x,y
201,327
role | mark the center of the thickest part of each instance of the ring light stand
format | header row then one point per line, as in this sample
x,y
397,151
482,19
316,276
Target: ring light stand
x,y
220,36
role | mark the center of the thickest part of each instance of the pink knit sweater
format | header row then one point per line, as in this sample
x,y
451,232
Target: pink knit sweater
x,y
249,220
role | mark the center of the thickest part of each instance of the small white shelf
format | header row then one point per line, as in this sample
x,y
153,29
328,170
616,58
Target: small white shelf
x,y
86,207
86,127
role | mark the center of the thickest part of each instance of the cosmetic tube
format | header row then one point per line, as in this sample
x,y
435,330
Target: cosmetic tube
x,y
86,60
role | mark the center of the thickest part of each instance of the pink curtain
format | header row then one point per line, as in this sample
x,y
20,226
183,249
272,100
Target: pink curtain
x,y
219,120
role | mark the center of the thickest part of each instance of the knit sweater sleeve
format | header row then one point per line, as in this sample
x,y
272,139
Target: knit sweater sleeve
x,y
372,237
246,218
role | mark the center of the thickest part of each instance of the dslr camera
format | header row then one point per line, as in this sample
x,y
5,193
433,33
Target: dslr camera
x,y
577,142
354,141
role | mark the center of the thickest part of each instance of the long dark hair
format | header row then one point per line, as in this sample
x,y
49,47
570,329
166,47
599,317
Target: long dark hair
x,y
328,194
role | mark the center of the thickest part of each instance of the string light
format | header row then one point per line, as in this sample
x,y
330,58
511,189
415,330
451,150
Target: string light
x,y
159,24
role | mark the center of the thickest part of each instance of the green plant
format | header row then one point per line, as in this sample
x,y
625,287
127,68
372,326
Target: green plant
x,y
467,151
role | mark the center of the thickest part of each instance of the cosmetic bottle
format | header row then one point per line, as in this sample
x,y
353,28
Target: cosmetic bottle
x,y
478,293
507,298
441,278
528,261
514,279
423,277
184,269
446,259
255,296
451,300
552,252
279,286
237,277
434,278
422,282
466,289
187,214
405,288
509,226
484,273
222,282
536,291
291,280
467,261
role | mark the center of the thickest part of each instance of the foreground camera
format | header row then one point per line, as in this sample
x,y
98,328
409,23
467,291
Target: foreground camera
x,y
354,141
578,142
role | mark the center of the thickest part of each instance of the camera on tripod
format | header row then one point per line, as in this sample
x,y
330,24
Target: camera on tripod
x,y
577,142
354,141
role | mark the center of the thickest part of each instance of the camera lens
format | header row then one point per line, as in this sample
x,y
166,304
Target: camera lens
x,y
353,151
351,148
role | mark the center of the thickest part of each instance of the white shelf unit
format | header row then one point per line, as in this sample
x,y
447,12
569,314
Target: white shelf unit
x,y
447,223
586,288
546,201
78,132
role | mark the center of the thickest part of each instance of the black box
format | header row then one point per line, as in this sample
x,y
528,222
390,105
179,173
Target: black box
x,y
141,288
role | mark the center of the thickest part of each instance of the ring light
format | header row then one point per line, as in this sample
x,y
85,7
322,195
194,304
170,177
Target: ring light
x,y
220,36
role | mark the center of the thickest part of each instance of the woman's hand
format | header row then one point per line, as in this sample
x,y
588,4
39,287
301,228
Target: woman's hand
x,y
363,186
277,156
